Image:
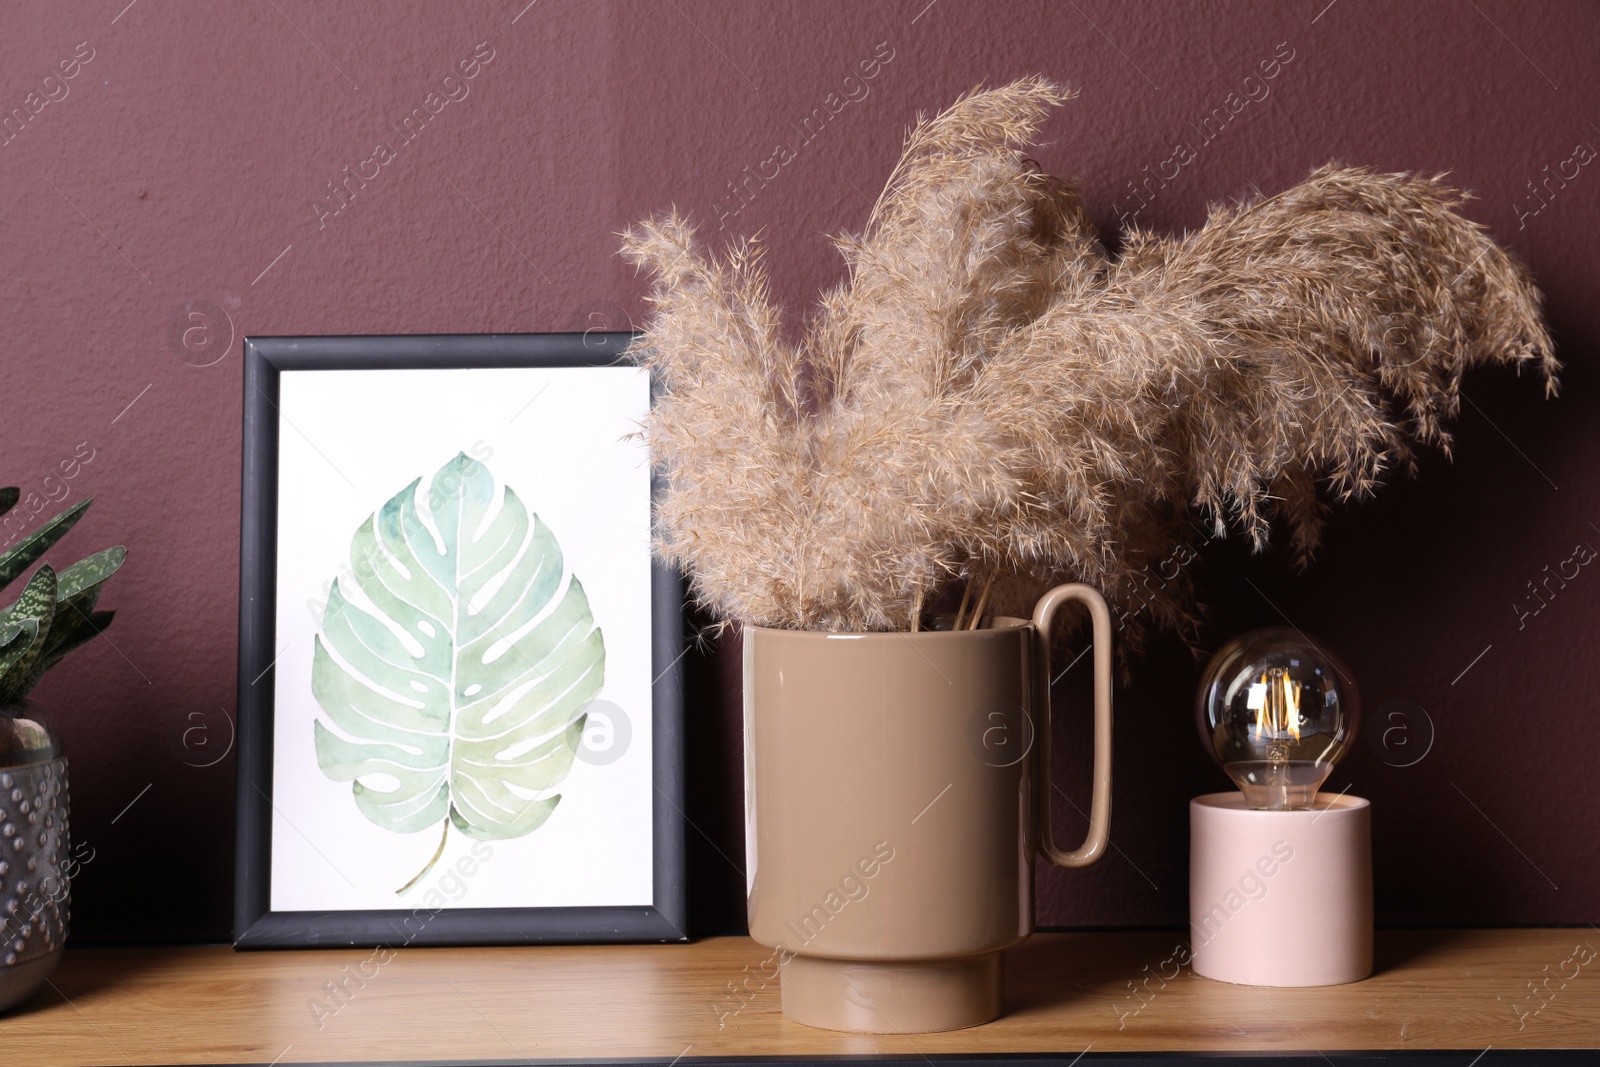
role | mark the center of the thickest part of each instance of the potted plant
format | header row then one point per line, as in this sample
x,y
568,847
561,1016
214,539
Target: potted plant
x,y
54,614
989,406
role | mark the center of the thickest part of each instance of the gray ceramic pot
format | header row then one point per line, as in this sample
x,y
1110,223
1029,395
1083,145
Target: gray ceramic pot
x,y
34,881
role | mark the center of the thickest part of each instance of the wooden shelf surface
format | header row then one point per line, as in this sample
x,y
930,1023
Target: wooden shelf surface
x,y
1065,993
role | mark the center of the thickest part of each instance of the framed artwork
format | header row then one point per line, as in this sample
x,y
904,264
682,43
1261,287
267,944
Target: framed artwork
x,y
460,706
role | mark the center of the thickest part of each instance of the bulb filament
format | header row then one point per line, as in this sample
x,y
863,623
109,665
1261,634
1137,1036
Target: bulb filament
x,y
1278,716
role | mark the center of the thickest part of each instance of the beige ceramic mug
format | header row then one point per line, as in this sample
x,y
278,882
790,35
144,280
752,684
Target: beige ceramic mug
x,y
897,788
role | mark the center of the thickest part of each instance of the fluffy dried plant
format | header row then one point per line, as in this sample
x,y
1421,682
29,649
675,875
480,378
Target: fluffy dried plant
x,y
990,398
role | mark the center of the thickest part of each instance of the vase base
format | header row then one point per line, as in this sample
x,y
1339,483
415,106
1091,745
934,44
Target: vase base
x,y
20,981
891,996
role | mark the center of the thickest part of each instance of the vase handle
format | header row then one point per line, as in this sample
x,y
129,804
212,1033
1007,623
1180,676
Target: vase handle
x,y
1094,843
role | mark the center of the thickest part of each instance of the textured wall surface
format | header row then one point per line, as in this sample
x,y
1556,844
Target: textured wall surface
x,y
184,168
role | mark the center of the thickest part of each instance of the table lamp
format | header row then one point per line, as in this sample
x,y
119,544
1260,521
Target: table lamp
x,y
1280,874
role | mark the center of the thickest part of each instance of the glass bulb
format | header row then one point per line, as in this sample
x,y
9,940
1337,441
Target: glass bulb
x,y
1277,710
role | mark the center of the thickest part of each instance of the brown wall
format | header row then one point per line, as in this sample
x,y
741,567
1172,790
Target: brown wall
x,y
184,157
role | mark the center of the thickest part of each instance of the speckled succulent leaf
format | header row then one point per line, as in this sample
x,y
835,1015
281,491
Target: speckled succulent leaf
x,y
63,628
9,495
36,605
72,615
478,708
38,600
89,572
64,637
30,548
15,641
80,635
78,604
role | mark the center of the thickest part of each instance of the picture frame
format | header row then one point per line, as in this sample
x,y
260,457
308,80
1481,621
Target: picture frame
x,y
445,581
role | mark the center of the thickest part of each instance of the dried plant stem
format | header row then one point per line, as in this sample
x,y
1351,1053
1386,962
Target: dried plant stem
x,y
966,594
983,600
987,386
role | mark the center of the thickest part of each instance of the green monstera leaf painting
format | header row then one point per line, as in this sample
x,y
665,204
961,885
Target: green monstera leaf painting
x,y
457,697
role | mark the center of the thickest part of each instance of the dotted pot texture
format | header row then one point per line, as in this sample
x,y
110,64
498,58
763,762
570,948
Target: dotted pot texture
x,y
34,886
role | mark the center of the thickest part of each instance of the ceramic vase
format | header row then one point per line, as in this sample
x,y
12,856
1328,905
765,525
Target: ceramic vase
x,y
33,851
897,792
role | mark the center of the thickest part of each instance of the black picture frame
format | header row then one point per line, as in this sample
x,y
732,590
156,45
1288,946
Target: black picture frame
x,y
255,925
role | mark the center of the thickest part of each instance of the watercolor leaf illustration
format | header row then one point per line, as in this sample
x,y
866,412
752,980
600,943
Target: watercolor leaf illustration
x,y
457,698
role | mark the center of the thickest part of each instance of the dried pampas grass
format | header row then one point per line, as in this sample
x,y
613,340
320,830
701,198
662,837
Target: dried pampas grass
x,y
990,398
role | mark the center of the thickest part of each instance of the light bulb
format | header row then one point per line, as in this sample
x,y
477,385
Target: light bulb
x,y
1277,710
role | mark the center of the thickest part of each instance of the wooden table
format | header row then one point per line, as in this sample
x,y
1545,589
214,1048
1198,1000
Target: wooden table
x,y
1066,994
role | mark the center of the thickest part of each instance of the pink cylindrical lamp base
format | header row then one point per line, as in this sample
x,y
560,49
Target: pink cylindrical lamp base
x,y
1281,898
